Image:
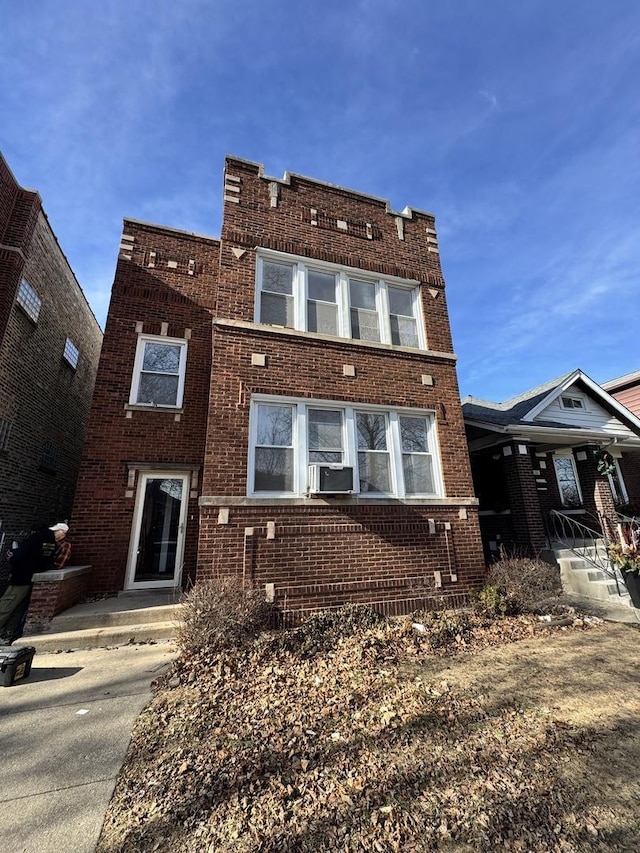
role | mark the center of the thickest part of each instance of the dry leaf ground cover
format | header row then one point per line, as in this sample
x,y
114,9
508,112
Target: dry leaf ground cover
x,y
372,735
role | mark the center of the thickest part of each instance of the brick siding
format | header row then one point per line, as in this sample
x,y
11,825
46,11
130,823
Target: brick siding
x,y
45,400
324,552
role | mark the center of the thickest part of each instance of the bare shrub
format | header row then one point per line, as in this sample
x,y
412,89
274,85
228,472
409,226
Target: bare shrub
x,y
221,613
493,601
524,580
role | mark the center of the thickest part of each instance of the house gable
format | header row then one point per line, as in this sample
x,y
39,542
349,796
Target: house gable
x,y
575,407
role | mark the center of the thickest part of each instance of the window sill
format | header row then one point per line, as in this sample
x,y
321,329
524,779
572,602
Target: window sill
x,y
356,342
138,407
353,500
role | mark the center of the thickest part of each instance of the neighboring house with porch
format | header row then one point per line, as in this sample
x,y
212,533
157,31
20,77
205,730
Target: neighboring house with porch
x,y
281,404
49,350
565,455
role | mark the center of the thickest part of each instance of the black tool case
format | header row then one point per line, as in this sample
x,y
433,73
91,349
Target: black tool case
x,y
15,663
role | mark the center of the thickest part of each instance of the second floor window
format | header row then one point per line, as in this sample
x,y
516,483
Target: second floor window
x,y
29,300
314,297
71,353
159,370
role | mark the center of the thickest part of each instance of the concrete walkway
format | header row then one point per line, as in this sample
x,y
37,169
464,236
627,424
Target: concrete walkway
x,y
64,733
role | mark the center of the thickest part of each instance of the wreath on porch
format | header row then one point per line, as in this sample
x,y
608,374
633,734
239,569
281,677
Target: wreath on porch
x,y
604,462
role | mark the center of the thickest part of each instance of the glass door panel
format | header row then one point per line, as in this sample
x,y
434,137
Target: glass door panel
x,y
156,555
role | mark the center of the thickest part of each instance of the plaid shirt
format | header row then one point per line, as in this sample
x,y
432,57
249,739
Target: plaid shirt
x,y
62,555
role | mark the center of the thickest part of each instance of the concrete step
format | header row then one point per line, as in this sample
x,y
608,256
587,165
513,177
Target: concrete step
x,y
580,578
77,620
113,621
88,638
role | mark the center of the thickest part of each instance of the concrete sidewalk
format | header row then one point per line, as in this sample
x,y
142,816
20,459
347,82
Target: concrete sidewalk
x,y
64,733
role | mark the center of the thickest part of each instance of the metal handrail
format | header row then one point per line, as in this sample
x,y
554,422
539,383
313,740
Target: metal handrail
x,y
590,545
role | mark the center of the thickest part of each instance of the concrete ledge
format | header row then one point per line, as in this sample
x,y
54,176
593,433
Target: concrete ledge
x,y
54,592
61,574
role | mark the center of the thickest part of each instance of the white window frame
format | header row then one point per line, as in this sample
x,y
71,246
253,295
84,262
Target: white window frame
x,y
573,398
302,266
28,300
560,454
350,448
143,340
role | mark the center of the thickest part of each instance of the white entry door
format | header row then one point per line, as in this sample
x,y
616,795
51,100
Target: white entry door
x,y
157,537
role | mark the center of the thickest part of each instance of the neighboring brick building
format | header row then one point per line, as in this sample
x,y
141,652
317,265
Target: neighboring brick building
x,y
49,349
236,372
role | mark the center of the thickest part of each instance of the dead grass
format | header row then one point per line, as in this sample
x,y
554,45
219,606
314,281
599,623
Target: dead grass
x,y
504,738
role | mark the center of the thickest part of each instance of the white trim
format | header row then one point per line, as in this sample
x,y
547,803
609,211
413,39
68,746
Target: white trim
x,y
598,392
143,478
141,343
301,267
350,411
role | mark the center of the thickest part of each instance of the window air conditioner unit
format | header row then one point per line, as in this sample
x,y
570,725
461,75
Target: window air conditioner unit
x,y
331,479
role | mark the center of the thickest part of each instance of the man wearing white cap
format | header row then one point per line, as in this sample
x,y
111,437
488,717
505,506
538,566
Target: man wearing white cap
x,y
63,546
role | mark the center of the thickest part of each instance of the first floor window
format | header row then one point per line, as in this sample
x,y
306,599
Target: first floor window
x,y
274,449
374,465
417,461
567,481
393,453
158,376
618,488
325,434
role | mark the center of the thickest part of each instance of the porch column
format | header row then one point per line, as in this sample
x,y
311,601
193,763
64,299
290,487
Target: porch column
x,y
526,515
596,491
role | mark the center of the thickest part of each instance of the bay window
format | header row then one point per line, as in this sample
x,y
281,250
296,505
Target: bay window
x,y
393,452
312,296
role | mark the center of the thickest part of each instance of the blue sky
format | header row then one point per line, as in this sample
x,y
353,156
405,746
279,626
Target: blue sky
x,y
516,123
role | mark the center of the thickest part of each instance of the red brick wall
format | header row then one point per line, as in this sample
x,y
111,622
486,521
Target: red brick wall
x,y
152,296
327,556
45,400
49,598
324,552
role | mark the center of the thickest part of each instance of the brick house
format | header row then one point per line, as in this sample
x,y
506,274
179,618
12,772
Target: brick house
x,y
281,404
49,350
542,452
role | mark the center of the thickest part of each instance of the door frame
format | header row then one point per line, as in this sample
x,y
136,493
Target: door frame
x,y
136,524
